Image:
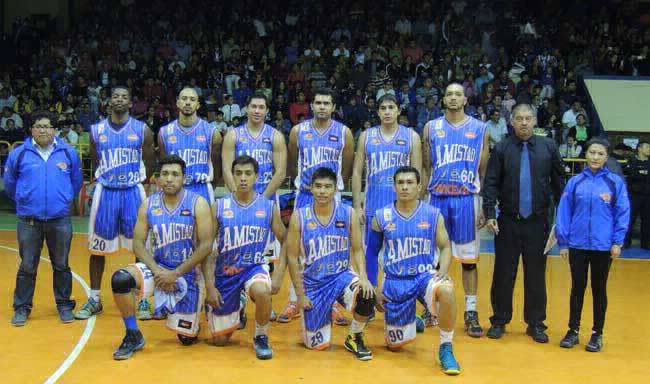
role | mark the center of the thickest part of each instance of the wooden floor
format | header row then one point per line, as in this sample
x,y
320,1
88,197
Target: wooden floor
x,y
33,353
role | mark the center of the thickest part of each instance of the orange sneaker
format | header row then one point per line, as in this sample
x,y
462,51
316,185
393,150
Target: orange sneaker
x,y
337,315
290,312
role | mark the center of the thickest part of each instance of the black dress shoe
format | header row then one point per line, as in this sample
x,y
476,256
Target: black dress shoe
x,y
537,333
595,343
496,331
570,339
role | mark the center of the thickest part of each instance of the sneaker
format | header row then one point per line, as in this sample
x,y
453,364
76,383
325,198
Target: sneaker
x,y
274,316
66,316
595,343
419,324
144,310
447,360
132,342
472,326
262,347
537,333
338,317
290,312
570,339
429,319
91,308
356,345
20,317
496,331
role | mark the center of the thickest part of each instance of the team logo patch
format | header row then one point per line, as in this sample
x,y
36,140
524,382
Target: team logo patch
x,y
226,204
266,140
388,214
184,324
470,135
334,138
375,141
401,142
308,136
424,225
186,212
228,214
340,224
260,214
200,138
103,138
607,198
440,133
62,166
132,137
390,227
243,140
312,225
157,212
438,124
172,139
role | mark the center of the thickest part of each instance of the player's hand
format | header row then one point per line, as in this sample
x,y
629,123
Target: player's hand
x,y
379,302
166,279
564,253
367,290
481,220
214,298
304,302
493,226
615,251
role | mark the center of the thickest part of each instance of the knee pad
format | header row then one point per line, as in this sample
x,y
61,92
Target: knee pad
x,y
364,307
469,267
187,340
122,282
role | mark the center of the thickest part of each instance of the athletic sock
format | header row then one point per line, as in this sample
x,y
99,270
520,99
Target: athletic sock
x,y
446,337
130,323
262,330
94,293
470,303
356,326
292,293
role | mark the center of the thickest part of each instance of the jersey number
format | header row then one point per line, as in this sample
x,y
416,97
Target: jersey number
x,y
99,245
395,335
317,339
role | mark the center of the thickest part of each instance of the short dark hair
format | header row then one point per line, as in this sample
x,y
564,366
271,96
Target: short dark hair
x,y
597,140
323,173
407,169
124,87
243,160
38,115
388,98
172,159
326,92
258,95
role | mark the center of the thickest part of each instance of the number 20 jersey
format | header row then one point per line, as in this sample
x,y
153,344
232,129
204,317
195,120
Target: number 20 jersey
x,y
119,153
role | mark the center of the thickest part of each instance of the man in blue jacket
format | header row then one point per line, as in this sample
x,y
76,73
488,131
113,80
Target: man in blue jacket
x,y
43,176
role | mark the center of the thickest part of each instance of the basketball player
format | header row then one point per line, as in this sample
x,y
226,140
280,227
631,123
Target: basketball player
x,y
122,152
319,142
179,224
197,142
243,222
325,238
455,159
408,232
382,150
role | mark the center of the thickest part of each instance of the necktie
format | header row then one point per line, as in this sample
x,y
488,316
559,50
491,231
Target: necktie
x,y
525,185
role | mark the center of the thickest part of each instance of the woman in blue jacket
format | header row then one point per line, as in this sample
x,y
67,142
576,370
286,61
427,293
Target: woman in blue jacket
x,y
592,220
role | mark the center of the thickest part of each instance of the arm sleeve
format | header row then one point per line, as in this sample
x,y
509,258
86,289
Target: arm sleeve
x,y
491,182
557,172
563,216
621,213
11,175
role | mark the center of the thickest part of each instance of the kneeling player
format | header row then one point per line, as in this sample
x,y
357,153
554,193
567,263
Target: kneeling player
x,y
180,227
324,234
243,222
408,232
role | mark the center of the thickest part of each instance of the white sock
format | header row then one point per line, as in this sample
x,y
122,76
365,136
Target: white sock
x,y
357,326
94,293
446,337
470,302
292,293
262,330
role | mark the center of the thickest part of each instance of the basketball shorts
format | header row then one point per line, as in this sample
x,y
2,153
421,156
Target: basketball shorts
x,y
225,320
304,198
461,217
317,321
113,215
400,294
204,190
183,307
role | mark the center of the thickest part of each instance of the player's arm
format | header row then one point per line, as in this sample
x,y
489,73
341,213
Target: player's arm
x,y
444,245
376,238
280,232
416,152
426,157
208,266
93,154
161,145
357,174
358,257
348,155
148,152
227,158
485,156
140,236
292,152
293,253
279,165
216,158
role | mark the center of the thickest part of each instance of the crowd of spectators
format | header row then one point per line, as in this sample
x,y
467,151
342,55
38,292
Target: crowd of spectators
x,y
502,52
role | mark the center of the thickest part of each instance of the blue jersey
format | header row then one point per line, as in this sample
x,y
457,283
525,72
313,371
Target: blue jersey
x,y
326,248
382,160
316,150
455,157
409,243
172,233
194,146
243,236
119,153
259,148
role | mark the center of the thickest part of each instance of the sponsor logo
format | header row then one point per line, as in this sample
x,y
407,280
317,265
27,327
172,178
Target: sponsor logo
x,y
184,324
470,135
121,177
243,140
440,133
334,138
228,214
390,227
200,138
157,212
260,214
375,141
607,198
340,224
401,142
62,166
388,214
226,204
424,225
172,139
266,140
312,225
186,212
132,137
103,138
308,136
438,124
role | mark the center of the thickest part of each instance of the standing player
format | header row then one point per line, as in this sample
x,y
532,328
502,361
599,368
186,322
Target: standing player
x,y
122,152
179,225
455,160
319,142
197,142
408,232
382,149
325,238
243,222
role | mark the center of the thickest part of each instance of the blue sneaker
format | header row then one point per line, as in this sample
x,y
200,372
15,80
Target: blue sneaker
x,y
419,324
262,347
447,360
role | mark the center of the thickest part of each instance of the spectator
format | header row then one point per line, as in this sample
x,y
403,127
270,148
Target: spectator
x,y
427,90
281,124
387,89
570,150
220,124
496,128
230,109
484,77
638,171
242,93
426,113
67,133
9,114
580,130
570,117
300,107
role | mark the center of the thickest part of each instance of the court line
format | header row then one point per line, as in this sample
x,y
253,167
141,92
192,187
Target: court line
x,y
90,325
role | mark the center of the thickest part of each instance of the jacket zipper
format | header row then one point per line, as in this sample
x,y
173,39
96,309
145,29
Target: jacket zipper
x,y
591,198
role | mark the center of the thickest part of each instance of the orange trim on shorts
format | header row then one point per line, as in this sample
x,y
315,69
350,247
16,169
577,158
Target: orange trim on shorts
x,y
466,261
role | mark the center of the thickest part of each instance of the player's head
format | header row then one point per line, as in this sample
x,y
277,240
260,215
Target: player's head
x,y
323,185
172,174
597,150
454,98
120,101
643,148
244,171
42,128
188,101
388,109
323,104
523,121
407,183
257,107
